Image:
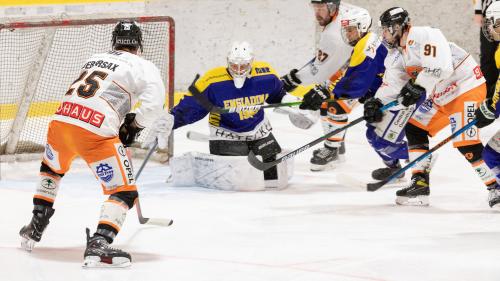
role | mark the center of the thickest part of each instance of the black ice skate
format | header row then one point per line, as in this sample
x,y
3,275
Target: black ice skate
x,y
383,173
494,196
327,157
32,232
417,193
99,254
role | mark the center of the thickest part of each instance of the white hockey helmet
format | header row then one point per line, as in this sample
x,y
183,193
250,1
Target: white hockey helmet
x,y
355,23
491,23
239,62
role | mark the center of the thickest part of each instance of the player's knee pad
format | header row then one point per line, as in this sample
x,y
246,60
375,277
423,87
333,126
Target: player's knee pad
x,y
46,169
416,136
127,197
472,153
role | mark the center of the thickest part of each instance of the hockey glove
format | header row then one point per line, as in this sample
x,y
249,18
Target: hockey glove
x,y
291,81
160,129
129,130
372,112
485,114
314,98
410,93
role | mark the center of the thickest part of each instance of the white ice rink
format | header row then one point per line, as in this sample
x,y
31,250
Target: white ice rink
x,y
316,230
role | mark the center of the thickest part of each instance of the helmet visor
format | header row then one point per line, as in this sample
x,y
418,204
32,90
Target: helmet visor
x,y
491,29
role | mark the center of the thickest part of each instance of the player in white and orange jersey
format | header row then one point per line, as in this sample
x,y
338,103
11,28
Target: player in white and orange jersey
x,y
452,83
328,66
88,123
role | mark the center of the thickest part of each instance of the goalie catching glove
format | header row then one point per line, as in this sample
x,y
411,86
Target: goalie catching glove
x,y
161,130
315,97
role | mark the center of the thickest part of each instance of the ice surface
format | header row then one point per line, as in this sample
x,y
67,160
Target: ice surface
x,y
315,230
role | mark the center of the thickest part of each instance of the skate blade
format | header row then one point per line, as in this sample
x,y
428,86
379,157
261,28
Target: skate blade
x,y
27,244
328,166
421,200
95,262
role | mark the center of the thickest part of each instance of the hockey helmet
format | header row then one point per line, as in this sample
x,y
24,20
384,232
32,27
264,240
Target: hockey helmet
x,y
127,34
395,20
239,62
491,23
355,23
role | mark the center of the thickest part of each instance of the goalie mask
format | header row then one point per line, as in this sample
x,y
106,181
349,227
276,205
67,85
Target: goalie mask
x,y
355,23
394,22
239,62
491,23
127,34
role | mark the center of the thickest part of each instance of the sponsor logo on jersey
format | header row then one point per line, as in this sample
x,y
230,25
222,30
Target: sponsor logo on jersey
x,y
101,64
453,124
470,108
105,172
449,89
436,72
48,152
248,102
477,72
82,113
262,70
48,183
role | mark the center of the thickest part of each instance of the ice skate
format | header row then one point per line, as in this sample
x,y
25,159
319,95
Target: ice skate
x,y
417,193
327,157
32,233
494,196
383,173
99,254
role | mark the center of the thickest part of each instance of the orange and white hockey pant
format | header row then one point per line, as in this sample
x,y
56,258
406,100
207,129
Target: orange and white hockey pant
x,y
108,160
334,115
430,118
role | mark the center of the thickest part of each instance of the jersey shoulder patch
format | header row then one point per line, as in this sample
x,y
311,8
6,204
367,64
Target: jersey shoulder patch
x,y
366,47
261,68
214,75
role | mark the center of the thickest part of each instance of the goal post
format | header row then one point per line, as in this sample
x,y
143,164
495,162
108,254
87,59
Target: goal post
x,y
41,59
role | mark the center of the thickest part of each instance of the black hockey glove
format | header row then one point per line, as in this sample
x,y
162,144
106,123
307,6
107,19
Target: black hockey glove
x,y
485,114
372,112
410,93
129,130
291,81
314,98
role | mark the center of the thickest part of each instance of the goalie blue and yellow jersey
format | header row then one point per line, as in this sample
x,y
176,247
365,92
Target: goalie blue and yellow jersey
x,y
217,86
365,71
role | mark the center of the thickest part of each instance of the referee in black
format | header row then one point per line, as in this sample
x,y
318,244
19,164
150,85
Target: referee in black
x,y
487,48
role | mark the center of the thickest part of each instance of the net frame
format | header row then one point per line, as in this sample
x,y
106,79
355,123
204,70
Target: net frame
x,y
8,151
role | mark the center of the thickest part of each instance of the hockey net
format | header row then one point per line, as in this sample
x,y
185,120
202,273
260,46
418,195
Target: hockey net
x,y
40,60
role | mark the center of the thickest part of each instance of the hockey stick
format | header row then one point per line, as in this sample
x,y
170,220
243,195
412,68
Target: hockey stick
x,y
254,161
376,185
196,136
143,220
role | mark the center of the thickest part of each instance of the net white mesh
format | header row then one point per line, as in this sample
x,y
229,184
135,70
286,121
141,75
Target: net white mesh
x,y
41,60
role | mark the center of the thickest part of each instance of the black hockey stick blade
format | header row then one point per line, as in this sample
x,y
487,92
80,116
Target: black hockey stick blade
x,y
376,185
254,161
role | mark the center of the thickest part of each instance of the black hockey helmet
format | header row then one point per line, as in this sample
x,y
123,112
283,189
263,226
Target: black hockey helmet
x,y
127,34
396,20
332,5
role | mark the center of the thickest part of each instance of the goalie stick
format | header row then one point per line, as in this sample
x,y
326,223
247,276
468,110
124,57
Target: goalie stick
x,y
376,185
143,220
258,164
